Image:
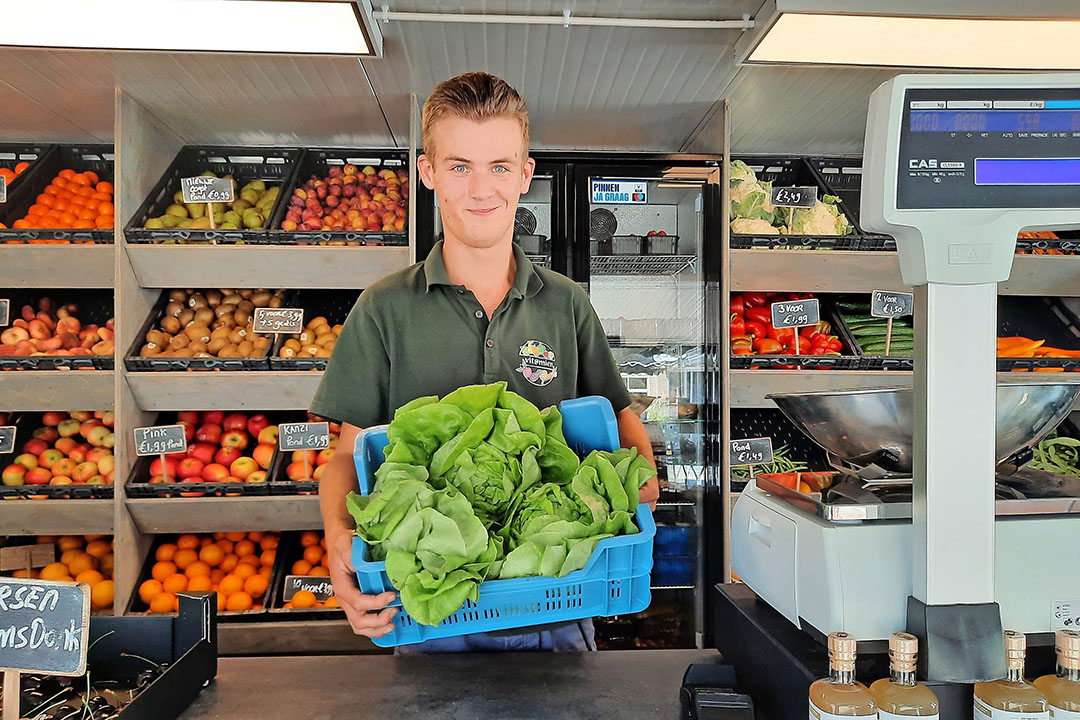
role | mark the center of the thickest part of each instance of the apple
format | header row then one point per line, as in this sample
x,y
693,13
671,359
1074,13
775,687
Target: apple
x,y
190,467
110,476
84,471
14,474
236,439
47,434
257,476
232,479
268,435
170,467
65,445
235,421
35,446
52,419
27,460
324,456
50,456
333,440
78,454
38,476
190,417
96,454
97,480
256,424
215,472
209,433
319,471
213,417
298,456
61,480
69,427
97,434
81,415
189,430
228,455
161,479
109,441
89,425
243,467
108,418
203,452
295,470
106,464
64,466
262,454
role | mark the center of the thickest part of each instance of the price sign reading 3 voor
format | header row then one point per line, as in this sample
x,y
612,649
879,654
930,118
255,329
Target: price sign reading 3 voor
x,y
7,439
320,587
163,440
754,451
795,313
886,304
303,436
44,626
206,189
794,197
278,320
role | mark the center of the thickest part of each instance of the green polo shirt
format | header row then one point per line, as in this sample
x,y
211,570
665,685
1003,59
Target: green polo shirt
x,y
415,333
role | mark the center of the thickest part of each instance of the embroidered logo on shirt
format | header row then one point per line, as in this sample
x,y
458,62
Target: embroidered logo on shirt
x,y
537,363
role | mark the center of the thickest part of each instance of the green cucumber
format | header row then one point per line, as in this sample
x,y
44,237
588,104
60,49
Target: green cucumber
x,y
894,349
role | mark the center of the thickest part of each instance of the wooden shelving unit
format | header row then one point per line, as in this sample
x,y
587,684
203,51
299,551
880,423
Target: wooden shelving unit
x,y
227,514
211,390
48,266
57,517
58,389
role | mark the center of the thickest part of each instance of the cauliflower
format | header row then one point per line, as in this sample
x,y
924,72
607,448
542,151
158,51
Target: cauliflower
x,y
741,172
753,226
822,219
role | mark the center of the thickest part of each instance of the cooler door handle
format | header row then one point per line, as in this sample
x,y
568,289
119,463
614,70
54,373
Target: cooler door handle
x,y
761,529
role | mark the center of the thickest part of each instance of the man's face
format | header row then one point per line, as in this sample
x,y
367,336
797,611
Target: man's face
x,y
478,173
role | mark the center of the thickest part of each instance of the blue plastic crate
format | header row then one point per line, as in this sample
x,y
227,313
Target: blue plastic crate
x,y
614,582
674,571
674,540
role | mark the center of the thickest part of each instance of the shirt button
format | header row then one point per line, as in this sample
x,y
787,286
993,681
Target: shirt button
x,y
490,343
479,314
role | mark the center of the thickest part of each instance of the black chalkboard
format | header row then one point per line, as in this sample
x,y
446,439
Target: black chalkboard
x,y
753,451
278,320
7,439
5,312
160,440
804,197
3,189
320,587
303,436
205,189
795,313
887,304
44,626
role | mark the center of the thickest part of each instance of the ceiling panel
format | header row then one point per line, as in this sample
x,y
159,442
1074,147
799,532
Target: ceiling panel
x,y
56,95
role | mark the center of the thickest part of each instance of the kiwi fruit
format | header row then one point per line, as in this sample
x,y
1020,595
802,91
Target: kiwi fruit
x,y
180,341
229,351
245,348
204,316
156,337
183,353
286,352
221,332
198,332
325,339
261,299
237,335
224,309
173,308
197,301
170,325
276,301
149,350
177,296
324,352
186,316
216,344
213,297
232,299
197,346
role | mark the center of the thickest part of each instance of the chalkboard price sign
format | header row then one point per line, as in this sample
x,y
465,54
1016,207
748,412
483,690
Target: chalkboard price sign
x,y
793,197
3,189
5,312
885,304
754,451
795,313
7,439
303,436
320,587
278,320
162,440
44,626
204,189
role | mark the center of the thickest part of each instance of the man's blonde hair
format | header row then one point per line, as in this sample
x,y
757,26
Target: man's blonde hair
x,y
474,96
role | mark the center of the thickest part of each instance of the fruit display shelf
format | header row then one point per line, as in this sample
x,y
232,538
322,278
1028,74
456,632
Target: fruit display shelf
x,y
60,456
333,307
263,390
19,160
70,329
224,514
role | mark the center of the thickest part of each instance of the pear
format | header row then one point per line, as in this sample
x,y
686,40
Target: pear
x,y
241,205
250,196
185,223
154,224
253,219
267,200
178,197
219,218
202,223
219,207
228,226
196,210
257,185
231,218
177,210
169,221
207,173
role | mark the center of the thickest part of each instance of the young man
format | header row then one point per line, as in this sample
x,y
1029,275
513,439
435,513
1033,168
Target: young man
x,y
471,313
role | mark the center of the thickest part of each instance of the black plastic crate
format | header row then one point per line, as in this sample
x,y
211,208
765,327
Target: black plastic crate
x,y
317,162
11,154
25,423
274,165
847,360
772,423
80,158
870,362
843,178
1066,243
794,171
334,305
290,550
95,307
138,485
136,363
1039,319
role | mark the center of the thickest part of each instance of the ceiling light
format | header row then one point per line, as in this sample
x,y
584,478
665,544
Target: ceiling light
x,y
905,40
318,27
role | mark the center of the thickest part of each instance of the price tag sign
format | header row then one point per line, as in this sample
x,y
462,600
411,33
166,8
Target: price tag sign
x,y
886,304
303,436
795,313
161,440
7,439
278,320
3,189
753,451
5,312
44,627
793,197
207,189
320,587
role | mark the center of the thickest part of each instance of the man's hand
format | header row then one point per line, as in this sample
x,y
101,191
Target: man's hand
x,y
355,603
632,433
650,492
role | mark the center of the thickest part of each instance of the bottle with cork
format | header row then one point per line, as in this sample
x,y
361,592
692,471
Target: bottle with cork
x,y
840,694
900,694
1012,697
1062,689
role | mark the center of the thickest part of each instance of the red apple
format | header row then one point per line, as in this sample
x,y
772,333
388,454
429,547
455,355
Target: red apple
x,y
209,433
35,446
96,436
189,430
215,472
213,417
256,424
243,467
262,454
268,435
53,419
27,460
65,444
64,466
38,476
106,465
69,427
324,456
298,456
78,454
235,421
49,457
169,470
84,471
61,480
295,470
317,475
15,474
97,480
189,468
177,456
188,416
159,479
201,451
236,439
82,415
47,434
257,476
108,418
110,476
96,454
89,425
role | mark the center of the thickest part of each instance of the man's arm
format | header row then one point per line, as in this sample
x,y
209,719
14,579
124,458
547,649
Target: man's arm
x,y
632,433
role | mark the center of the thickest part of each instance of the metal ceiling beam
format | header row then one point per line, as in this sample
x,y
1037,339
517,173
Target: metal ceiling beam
x,y
566,19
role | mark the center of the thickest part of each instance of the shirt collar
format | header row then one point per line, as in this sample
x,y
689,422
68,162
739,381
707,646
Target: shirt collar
x,y
527,281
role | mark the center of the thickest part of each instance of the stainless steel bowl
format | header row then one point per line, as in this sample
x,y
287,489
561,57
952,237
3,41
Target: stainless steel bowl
x,y
874,426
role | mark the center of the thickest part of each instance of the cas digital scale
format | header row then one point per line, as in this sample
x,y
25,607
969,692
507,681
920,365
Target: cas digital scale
x,y
954,166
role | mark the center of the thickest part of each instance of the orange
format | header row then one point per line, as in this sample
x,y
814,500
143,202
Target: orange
x,y
81,563
20,224
301,567
106,564
325,562
187,542
106,208
205,540
66,173
238,601
244,547
268,542
87,214
225,545
309,537
60,205
231,584
216,575
199,584
69,217
229,563
45,199
37,209
92,204
185,557
255,535
176,583
245,570
249,560
165,552
235,536
304,599
69,542
103,197
104,222
322,542
79,179
104,187
149,590
331,602
220,601
256,585
90,577
101,595
266,572
287,606
313,554
164,602
51,190
83,225
197,569
92,177
212,555
319,571
60,183
97,548
268,557
67,556
54,571
163,569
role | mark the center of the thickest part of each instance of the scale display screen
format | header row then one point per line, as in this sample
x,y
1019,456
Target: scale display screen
x,y
996,121
1027,171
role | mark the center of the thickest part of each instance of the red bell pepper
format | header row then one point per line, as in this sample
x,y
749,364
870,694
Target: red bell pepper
x,y
754,299
760,315
835,345
766,346
757,329
737,306
738,327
